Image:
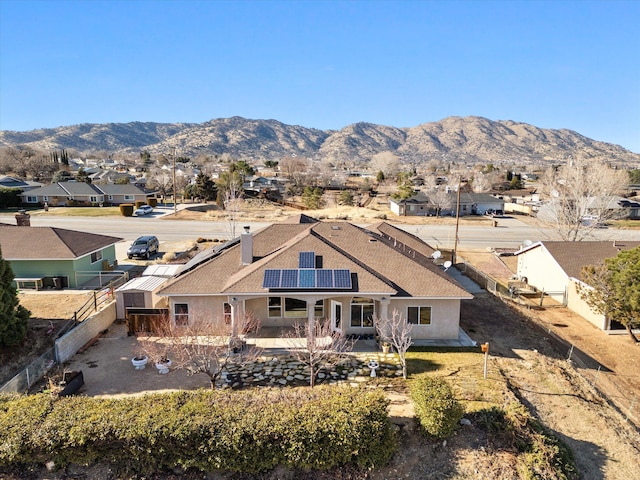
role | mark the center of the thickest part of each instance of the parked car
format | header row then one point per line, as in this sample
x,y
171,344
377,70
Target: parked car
x,y
143,210
143,247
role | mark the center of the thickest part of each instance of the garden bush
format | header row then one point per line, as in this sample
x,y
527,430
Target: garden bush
x,y
153,202
237,431
126,209
139,203
436,408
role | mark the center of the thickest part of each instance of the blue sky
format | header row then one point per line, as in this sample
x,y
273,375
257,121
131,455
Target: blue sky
x,y
323,64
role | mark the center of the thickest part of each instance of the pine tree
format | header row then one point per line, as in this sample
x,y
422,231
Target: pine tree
x,y
13,316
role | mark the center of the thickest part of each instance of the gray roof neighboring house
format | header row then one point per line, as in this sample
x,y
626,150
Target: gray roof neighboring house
x,y
49,243
119,189
12,182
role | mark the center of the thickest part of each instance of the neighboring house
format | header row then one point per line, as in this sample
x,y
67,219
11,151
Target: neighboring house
x,y
83,194
470,204
554,268
47,257
302,270
115,194
12,182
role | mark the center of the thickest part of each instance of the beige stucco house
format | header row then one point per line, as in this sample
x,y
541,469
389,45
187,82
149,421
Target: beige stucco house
x,y
302,270
554,267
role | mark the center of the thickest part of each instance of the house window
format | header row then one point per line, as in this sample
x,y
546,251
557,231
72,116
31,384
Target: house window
x,y
110,197
44,199
419,315
181,313
318,310
362,311
275,307
227,313
96,257
129,197
33,199
93,199
295,308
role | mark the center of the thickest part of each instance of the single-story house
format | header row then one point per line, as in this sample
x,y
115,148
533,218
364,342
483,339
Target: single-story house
x,y
12,182
49,257
302,270
80,193
420,204
555,269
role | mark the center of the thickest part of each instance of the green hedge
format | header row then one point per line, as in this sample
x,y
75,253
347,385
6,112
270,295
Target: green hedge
x,y
152,201
246,431
436,407
126,209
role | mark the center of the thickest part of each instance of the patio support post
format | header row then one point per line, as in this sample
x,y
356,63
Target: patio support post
x,y
235,311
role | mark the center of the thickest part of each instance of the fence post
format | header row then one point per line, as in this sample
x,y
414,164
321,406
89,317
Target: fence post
x,y
570,352
95,301
595,380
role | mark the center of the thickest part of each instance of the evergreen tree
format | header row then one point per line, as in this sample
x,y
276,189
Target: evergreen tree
x,y
82,176
13,316
205,188
312,197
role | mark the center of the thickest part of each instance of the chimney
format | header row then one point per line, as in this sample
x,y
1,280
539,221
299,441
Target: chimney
x,y
246,246
23,219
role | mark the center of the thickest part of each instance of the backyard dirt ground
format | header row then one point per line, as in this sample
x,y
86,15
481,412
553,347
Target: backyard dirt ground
x,y
605,445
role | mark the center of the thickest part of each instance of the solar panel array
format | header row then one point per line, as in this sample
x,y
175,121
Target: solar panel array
x,y
307,278
307,260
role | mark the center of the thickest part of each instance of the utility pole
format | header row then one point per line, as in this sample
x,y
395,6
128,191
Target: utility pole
x,y
175,194
455,240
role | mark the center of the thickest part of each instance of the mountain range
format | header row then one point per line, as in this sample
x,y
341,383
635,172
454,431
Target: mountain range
x,y
470,139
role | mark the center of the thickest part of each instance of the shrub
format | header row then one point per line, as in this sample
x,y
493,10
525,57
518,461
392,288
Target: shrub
x,y
205,430
152,202
126,209
139,204
436,408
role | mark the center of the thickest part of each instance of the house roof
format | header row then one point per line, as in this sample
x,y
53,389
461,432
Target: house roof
x,y
376,266
119,189
49,243
53,190
12,182
80,188
572,256
144,283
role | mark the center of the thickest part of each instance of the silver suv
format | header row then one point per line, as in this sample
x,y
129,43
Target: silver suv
x,y
143,247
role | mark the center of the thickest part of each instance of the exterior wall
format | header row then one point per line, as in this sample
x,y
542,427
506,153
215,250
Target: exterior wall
x,y
481,208
69,344
445,314
396,208
542,271
445,317
579,306
62,268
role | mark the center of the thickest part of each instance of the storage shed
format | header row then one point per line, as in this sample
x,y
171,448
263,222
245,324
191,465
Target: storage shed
x,y
139,292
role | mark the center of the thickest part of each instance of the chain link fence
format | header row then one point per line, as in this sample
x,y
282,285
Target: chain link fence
x,y
611,386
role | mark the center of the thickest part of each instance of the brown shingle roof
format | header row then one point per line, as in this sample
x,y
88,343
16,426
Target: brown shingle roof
x,y
49,243
572,256
378,267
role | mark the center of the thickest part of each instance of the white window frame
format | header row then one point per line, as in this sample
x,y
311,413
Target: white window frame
x,y
275,309
318,309
93,199
34,199
363,322
181,314
418,316
226,313
129,198
96,256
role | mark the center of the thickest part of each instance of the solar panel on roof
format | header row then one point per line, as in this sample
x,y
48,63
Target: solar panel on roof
x,y
342,278
289,279
324,278
307,260
271,279
307,278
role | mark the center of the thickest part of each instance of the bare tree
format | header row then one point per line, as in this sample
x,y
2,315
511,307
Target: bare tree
x,y
396,331
582,196
385,162
203,345
161,180
317,346
231,195
440,200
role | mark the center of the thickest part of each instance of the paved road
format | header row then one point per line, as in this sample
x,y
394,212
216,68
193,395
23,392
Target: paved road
x,y
510,232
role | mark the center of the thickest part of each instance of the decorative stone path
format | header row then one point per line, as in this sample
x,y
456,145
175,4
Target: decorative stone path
x,y
284,370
